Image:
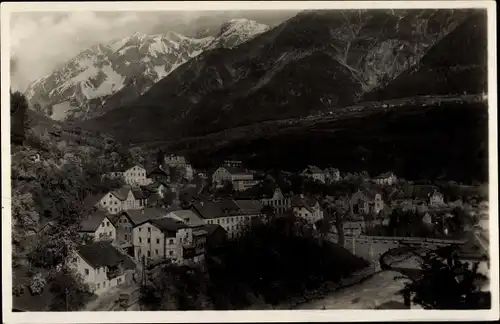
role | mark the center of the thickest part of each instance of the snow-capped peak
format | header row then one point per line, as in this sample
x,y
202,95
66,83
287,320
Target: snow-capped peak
x,y
237,31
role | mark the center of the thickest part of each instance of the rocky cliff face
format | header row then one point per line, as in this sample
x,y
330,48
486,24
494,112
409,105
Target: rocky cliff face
x,y
107,76
313,61
456,65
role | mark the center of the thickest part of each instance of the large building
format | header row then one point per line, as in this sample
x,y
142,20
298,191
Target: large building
x,y
168,239
314,173
233,216
387,178
278,201
307,208
102,266
239,178
132,174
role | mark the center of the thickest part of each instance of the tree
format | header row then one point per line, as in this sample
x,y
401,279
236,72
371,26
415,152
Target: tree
x,y
37,107
70,292
446,282
160,157
19,117
337,211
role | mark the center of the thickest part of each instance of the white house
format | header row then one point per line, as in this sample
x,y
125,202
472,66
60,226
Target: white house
x,y
278,201
306,208
98,226
436,199
240,178
115,201
231,215
387,178
314,173
102,266
132,174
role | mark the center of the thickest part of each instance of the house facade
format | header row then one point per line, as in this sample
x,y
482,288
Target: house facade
x,y
124,198
102,266
278,201
168,239
315,173
387,178
133,175
228,214
159,175
436,199
98,226
307,208
240,178
364,202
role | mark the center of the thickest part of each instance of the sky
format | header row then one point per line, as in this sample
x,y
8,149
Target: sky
x,y
40,41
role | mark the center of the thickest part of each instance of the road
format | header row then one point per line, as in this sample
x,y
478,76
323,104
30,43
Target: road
x,y
107,300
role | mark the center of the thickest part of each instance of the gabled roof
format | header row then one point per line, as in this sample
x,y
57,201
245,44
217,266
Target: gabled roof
x,y
236,171
100,254
211,228
168,224
216,209
93,221
92,200
159,171
121,193
249,207
139,216
125,167
138,193
305,202
189,217
313,169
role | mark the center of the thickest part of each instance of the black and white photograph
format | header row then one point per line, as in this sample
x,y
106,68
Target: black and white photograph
x,y
275,158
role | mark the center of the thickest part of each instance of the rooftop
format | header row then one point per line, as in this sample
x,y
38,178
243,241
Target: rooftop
x,y
100,254
168,224
139,216
188,216
93,221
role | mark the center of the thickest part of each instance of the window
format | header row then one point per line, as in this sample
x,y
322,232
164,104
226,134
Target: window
x,y
87,272
119,280
157,241
149,254
139,229
149,240
171,241
98,286
110,234
156,252
116,203
104,202
126,237
110,196
170,252
140,240
149,229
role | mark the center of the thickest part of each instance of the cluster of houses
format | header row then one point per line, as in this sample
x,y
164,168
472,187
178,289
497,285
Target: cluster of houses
x,y
127,229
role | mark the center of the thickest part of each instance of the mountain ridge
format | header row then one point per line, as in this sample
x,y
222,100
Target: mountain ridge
x,y
80,88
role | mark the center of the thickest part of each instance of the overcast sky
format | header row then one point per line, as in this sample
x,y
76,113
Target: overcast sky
x,y
42,40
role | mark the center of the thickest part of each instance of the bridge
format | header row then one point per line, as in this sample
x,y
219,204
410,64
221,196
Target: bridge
x,y
371,248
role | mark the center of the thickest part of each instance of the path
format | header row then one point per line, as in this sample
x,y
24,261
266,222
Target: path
x,y
107,300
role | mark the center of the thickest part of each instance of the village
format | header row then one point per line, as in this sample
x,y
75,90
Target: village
x,y
173,213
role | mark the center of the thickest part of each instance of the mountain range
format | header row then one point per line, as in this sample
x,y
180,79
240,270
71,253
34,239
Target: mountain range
x,y
84,87
314,61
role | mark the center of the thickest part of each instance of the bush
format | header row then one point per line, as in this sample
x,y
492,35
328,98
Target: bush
x,y
36,284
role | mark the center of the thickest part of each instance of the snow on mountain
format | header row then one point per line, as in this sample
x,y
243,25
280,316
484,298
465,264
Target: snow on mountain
x,y
85,85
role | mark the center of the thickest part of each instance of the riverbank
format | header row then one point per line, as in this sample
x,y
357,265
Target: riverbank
x,y
328,288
